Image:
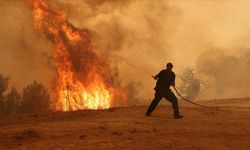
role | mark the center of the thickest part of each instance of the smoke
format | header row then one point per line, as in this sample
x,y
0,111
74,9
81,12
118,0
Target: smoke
x,y
212,37
24,55
128,32
216,45
225,75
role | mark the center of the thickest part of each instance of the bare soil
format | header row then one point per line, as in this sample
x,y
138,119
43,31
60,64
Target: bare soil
x,y
128,128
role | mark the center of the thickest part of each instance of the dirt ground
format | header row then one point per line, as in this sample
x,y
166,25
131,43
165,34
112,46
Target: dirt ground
x,y
128,128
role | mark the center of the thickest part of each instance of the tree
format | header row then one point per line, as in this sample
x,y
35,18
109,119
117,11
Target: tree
x,y
132,93
191,85
12,101
4,81
35,98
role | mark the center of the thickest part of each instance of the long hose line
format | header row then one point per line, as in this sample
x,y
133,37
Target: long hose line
x,y
204,106
211,107
191,101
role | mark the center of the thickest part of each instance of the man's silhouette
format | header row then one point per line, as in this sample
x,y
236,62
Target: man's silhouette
x,y
165,79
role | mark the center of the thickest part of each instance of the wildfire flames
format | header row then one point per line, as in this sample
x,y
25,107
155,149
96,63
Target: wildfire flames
x,y
82,80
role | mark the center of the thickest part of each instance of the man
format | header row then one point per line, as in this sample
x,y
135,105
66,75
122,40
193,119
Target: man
x,y
165,79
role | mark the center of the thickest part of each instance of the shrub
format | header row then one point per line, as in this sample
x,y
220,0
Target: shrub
x,y
35,98
12,102
4,81
191,85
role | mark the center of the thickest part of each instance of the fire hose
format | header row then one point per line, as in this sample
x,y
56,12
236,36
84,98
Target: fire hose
x,y
209,107
183,98
191,101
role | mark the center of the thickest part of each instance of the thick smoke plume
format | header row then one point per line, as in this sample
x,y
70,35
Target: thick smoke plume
x,y
24,54
144,33
128,32
225,75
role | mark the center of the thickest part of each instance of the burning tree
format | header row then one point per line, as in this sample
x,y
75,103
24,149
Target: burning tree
x,y
83,79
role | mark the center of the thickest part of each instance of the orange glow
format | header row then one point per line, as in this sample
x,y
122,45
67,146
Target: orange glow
x,y
80,82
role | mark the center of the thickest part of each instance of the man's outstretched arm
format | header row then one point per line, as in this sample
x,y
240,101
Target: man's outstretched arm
x,y
156,76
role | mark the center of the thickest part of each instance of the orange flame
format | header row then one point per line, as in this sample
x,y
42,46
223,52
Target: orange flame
x,y
82,76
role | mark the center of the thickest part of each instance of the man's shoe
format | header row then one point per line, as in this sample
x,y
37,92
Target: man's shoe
x,y
178,117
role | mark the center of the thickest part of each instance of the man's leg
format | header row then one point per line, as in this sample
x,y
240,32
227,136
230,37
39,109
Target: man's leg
x,y
153,104
173,99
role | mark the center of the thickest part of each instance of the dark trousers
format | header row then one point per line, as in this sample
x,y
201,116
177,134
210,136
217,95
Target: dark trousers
x,y
168,95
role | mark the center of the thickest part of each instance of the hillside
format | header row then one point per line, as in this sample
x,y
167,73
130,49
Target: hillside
x,y
127,128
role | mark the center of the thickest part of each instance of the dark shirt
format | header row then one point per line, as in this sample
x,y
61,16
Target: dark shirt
x,y
164,79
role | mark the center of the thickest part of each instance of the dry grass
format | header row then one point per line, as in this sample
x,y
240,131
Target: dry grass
x,y
27,133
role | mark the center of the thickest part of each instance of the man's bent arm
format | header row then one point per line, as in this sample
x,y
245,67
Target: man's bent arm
x,y
173,81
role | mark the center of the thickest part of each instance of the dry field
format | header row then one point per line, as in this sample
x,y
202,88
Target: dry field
x,y
128,128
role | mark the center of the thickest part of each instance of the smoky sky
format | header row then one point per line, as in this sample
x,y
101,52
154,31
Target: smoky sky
x,y
210,36
24,54
225,75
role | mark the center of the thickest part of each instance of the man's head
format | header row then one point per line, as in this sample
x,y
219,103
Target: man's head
x,y
169,66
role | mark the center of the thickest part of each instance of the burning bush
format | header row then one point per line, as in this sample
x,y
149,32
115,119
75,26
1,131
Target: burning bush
x,y
35,98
